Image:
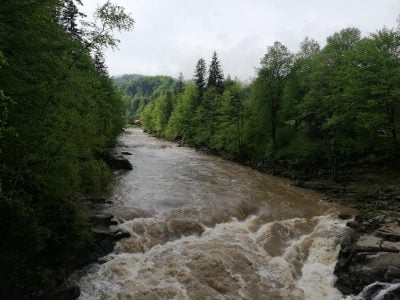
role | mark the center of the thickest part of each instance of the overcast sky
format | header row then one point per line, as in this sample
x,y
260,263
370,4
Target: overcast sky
x,y
171,35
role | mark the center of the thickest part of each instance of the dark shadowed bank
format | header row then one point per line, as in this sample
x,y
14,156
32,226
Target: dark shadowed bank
x,y
59,115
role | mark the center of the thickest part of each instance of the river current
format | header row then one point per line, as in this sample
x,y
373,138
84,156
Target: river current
x,y
205,228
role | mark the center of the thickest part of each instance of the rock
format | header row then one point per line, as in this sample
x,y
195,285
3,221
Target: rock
x,y
392,294
118,162
383,260
390,246
126,153
344,216
371,254
64,293
369,243
97,200
390,233
392,273
356,226
103,219
102,244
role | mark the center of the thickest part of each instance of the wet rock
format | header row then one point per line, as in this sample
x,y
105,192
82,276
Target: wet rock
x,y
102,219
64,293
392,273
97,200
368,243
392,295
102,244
356,226
383,260
391,246
126,153
390,233
344,216
370,254
118,162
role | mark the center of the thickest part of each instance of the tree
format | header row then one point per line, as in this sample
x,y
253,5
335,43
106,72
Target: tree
x,y
67,16
108,19
298,81
180,85
199,76
228,136
62,119
308,48
215,74
373,84
326,111
100,64
270,83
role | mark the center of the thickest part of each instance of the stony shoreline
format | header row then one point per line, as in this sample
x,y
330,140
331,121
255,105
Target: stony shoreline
x,y
370,254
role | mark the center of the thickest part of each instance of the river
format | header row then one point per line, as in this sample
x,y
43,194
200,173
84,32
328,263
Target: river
x,y
206,228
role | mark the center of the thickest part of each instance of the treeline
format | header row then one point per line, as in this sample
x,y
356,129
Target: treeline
x,y
318,108
140,90
59,113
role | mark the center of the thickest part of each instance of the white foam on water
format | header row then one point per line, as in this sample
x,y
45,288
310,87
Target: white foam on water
x,y
290,259
375,291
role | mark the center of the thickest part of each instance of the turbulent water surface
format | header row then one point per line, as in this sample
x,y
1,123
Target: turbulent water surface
x,y
205,228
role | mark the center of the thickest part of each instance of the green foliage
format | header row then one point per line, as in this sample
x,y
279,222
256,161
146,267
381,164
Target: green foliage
x,y
181,124
140,90
59,113
319,108
228,136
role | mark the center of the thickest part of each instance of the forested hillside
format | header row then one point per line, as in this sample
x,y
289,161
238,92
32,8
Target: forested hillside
x,y
140,90
324,111
59,113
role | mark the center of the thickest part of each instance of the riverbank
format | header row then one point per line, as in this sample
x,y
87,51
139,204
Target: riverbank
x,y
104,234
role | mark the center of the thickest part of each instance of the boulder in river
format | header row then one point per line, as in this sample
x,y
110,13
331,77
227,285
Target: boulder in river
x,y
118,162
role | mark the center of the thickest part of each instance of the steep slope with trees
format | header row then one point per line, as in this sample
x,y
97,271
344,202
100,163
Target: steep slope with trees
x,y
59,115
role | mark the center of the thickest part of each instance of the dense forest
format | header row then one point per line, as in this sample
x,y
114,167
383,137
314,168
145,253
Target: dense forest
x,y
59,113
139,90
322,109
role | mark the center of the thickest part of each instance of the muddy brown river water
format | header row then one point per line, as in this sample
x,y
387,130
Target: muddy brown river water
x,y
205,228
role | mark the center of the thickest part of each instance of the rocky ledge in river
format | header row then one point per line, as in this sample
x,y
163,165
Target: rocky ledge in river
x,y
370,254
105,233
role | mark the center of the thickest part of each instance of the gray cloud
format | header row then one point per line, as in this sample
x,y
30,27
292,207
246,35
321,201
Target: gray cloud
x,y
170,35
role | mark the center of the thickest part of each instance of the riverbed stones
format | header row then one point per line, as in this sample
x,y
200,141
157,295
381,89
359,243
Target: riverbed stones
x,y
371,254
